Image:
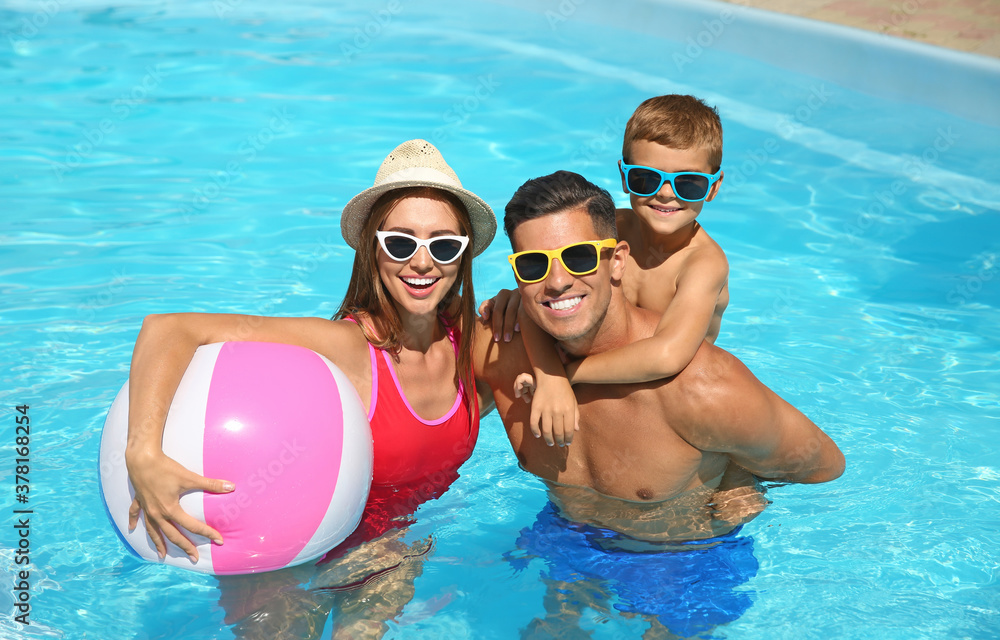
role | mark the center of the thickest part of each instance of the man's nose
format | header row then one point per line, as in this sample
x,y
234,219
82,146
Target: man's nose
x,y
558,279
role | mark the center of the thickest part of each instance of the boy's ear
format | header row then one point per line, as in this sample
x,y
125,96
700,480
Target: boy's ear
x,y
714,191
621,172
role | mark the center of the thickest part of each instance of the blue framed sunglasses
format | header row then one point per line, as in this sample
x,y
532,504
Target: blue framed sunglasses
x,y
689,186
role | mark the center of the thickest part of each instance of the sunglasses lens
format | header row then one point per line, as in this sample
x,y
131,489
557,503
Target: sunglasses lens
x,y
643,182
691,187
445,250
580,258
399,247
531,266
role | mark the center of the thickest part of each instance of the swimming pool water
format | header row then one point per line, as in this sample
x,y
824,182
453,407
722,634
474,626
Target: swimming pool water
x,y
174,156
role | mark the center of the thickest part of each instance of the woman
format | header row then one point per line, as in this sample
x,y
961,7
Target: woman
x,y
397,336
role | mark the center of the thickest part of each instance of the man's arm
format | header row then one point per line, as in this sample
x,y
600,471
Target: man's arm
x,y
496,365
554,414
483,347
485,397
728,410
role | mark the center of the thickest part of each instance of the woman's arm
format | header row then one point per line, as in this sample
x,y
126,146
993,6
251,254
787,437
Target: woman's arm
x,y
163,350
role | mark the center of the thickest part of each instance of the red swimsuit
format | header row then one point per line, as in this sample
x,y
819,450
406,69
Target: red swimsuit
x,y
415,459
407,447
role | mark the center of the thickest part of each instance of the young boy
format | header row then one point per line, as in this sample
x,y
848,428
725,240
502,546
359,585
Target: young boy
x,y
670,167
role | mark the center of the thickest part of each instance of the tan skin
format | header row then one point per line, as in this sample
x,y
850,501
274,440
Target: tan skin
x,y
645,443
275,605
674,269
166,344
659,461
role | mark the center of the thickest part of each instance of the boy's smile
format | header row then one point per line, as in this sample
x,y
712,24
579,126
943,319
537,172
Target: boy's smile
x,y
663,213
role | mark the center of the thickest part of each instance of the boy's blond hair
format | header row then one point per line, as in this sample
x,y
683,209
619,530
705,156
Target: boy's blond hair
x,y
678,122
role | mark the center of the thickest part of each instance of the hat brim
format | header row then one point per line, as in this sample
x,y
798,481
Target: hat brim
x,y
356,212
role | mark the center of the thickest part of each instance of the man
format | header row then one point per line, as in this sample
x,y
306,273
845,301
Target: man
x,y
661,462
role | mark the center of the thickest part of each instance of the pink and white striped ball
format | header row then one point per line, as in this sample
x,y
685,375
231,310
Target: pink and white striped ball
x,y
281,422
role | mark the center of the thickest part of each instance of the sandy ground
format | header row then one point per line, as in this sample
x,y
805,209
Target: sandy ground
x,y
964,25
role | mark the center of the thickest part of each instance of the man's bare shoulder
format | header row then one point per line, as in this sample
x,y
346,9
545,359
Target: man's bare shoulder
x,y
495,362
710,365
720,406
714,394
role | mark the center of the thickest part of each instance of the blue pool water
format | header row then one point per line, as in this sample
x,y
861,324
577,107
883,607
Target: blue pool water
x,y
196,156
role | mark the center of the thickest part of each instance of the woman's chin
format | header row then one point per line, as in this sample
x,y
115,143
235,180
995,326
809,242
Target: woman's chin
x,y
414,311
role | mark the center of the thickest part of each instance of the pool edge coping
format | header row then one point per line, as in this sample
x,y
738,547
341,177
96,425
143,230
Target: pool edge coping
x,y
960,83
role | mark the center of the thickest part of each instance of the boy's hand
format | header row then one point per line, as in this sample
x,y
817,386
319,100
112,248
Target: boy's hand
x,y
524,387
554,414
502,309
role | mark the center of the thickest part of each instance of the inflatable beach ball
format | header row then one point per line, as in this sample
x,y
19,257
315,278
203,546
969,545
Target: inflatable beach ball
x,y
281,422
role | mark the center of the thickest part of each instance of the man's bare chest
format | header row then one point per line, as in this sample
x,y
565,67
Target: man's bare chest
x,y
626,448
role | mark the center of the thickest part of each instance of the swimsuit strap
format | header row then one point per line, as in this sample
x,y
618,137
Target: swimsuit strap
x,y
452,337
402,396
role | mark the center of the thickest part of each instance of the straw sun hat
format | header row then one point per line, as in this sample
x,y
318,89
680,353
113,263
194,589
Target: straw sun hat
x,y
417,163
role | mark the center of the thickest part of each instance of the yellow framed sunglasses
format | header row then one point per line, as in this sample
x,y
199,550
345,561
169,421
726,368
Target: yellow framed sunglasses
x,y
579,258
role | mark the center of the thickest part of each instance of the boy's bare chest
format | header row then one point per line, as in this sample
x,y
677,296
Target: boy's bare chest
x,y
650,287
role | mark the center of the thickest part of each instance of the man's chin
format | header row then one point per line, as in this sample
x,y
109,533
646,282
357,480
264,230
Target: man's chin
x,y
562,331
565,328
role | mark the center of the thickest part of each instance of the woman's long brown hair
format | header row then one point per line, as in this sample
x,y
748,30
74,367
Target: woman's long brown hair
x,y
368,301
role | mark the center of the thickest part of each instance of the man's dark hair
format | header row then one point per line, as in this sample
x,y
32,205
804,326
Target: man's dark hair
x,y
560,191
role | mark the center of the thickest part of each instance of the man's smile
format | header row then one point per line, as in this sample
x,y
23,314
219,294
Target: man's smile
x,y
564,305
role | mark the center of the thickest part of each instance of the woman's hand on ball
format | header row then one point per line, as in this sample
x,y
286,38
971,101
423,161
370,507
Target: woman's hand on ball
x,y
159,482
